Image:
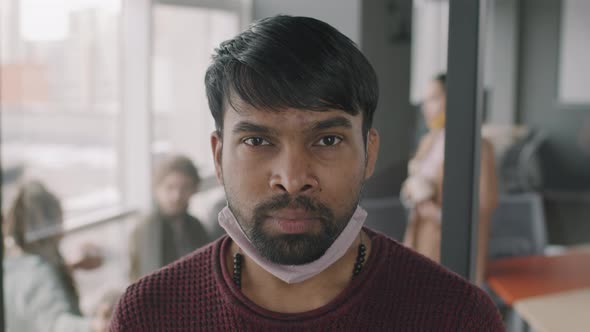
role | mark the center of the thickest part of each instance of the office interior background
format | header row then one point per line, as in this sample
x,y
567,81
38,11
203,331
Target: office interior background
x,y
93,93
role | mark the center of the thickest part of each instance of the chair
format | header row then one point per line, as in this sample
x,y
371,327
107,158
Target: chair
x,y
518,226
518,229
386,215
520,167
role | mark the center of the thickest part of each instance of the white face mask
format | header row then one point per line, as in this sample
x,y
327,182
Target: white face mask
x,y
295,273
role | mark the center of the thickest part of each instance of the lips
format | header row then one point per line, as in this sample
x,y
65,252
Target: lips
x,y
294,221
293,214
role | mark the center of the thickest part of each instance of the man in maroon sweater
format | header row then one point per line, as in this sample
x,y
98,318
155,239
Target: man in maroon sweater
x,y
293,102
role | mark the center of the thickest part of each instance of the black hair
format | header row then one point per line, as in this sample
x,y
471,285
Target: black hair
x,y
177,164
291,62
442,79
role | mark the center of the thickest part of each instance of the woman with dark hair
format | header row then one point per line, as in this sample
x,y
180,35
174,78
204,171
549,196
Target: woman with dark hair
x,y
422,190
38,283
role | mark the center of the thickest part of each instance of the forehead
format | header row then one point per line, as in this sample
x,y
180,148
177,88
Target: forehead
x,y
175,177
434,87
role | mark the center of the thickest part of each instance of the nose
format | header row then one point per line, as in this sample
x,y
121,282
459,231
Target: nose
x,y
294,174
175,194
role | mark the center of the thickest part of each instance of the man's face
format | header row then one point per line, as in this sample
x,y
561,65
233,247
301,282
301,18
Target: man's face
x,y
293,178
173,193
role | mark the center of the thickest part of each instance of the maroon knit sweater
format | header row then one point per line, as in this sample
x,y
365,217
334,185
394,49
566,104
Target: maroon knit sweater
x,y
397,290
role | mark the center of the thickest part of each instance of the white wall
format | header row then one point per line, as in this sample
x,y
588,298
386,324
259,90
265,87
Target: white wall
x,y
430,25
503,57
344,15
574,53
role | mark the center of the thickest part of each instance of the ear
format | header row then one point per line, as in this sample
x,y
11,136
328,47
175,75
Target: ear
x,y
372,152
217,148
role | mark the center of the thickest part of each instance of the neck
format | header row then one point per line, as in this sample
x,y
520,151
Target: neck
x,y
436,130
269,292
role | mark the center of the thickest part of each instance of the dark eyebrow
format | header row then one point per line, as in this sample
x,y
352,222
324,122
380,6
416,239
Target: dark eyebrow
x,y
337,121
245,126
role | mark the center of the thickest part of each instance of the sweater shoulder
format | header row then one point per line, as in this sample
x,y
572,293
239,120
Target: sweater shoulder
x,y
429,287
187,281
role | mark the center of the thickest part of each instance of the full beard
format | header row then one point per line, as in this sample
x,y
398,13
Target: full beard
x,y
293,249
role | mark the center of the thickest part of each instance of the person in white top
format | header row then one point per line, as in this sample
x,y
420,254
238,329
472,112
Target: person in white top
x,y
422,190
39,290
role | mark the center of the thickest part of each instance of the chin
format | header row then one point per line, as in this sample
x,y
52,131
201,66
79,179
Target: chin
x,y
172,212
292,249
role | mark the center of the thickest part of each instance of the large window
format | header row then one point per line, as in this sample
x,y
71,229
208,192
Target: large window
x,y
91,91
60,88
182,122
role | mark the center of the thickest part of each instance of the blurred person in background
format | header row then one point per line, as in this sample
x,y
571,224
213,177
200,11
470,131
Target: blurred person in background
x,y
422,190
169,232
39,288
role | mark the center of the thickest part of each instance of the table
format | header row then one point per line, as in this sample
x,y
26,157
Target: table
x,y
515,279
566,311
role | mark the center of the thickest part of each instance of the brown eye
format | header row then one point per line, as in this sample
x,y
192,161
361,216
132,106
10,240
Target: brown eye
x,y
256,141
329,140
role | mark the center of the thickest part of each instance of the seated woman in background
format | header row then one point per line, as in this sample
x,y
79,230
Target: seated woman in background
x,y
169,232
40,293
422,190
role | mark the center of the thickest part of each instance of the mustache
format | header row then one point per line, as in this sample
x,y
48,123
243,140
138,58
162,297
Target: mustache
x,y
284,201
